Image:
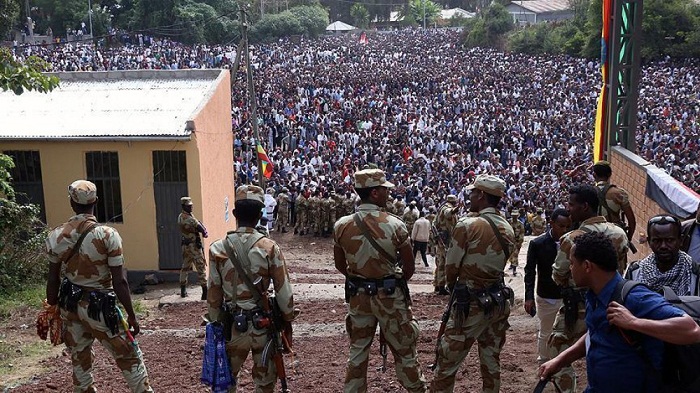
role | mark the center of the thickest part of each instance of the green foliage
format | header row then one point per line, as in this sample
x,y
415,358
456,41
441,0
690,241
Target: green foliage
x,y
19,77
312,18
22,234
9,15
30,295
204,24
360,15
308,20
489,28
416,8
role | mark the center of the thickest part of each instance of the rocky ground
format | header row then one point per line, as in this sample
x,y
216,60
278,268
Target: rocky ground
x,y
172,337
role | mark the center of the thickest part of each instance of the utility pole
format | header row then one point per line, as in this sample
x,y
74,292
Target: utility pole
x,y
423,14
92,37
243,50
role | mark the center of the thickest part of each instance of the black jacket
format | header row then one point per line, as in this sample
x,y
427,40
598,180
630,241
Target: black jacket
x,y
687,230
540,257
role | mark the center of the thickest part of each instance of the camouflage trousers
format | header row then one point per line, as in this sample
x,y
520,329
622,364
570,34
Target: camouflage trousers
x,y
282,219
301,220
561,339
439,276
490,336
513,258
400,331
193,257
240,346
80,331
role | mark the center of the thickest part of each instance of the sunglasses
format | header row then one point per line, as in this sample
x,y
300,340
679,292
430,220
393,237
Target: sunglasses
x,y
664,220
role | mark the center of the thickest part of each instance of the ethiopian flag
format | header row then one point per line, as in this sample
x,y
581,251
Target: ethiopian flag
x,y
601,126
265,163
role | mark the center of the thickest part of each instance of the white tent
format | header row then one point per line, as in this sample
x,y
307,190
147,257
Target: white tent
x,y
340,26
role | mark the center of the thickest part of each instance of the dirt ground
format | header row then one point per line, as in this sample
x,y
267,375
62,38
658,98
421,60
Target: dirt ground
x,y
172,338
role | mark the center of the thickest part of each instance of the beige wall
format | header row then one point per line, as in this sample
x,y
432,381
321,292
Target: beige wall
x,y
64,162
214,138
629,173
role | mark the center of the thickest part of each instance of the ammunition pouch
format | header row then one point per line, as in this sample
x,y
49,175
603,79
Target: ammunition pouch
x,y
69,295
102,307
198,242
462,301
372,287
572,298
238,318
490,300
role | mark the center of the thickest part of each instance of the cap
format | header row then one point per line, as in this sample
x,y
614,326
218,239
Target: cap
x,y
285,189
602,163
186,201
451,198
83,192
489,184
251,193
368,178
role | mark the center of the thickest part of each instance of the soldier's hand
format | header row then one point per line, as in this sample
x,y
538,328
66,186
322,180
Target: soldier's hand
x,y
134,325
529,304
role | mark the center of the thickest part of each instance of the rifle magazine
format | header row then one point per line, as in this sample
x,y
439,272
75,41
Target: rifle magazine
x,y
267,352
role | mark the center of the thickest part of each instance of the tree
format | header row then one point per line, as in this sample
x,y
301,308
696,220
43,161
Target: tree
x,y
360,15
19,77
313,18
9,14
416,9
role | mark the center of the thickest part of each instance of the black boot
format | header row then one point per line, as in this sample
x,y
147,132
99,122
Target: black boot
x,y
183,290
204,292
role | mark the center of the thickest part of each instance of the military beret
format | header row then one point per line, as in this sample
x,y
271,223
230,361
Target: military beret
x,y
368,178
489,184
83,192
186,201
251,193
452,198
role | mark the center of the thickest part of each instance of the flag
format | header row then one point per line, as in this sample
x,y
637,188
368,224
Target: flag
x,y
363,38
601,126
266,164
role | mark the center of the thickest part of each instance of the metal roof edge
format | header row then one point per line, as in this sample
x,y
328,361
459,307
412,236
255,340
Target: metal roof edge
x,y
95,76
205,98
102,139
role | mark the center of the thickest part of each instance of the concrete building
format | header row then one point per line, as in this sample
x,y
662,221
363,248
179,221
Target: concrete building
x,y
538,11
145,138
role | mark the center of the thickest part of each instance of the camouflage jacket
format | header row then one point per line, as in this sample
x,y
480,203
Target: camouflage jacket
x,y
282,202
616,198
519,230
538,224
100,250
561,270
410,217
475,256
446,218
362,258
189,226
265,260
301,203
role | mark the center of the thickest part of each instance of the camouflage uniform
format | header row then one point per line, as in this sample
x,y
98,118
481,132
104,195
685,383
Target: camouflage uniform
x,y
192,251
410,217
390,207
392,312
264,260
301,211
282,211
348,206
563,337
100,250
325,220
399,206
477,259
445,222
314,214
432,241
538,224
519,230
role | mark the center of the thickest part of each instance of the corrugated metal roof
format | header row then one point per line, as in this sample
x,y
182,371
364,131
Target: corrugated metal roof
x,y
540,6
117,104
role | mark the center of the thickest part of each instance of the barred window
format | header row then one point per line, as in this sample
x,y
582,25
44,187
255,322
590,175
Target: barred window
x,y
103,170
169,166
26,178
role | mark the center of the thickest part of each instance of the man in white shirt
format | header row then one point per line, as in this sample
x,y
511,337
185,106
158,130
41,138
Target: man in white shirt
x,y
420,236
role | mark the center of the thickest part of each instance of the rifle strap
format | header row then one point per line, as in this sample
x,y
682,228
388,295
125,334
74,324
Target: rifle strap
x,y
499,236
366,233
241,251
79,243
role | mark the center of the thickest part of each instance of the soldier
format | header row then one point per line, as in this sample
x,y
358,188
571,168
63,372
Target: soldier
x,y
366,244
538,223
519,230
445,222
283,210
333,210
260,258
348,204
399,206
302,206
614,202
192,248
569,324
475,262
314,214
94,277
326,204
432,241
410,216
390,207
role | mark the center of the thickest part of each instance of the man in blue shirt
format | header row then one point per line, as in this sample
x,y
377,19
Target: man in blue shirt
x,y
612,364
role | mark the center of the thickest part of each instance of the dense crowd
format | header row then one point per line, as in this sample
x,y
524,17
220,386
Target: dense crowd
x,y
431,113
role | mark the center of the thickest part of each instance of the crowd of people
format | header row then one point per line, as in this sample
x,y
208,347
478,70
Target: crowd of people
x,y
431,113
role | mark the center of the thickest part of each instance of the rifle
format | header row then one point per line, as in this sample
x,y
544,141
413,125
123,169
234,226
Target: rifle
x,y
443,326
436,235
278,342
382,350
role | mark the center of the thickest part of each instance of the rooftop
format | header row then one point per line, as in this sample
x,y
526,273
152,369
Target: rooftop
x,y
144,104
539,6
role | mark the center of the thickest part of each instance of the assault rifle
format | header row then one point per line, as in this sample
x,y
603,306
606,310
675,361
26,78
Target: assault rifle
x,y
441,332
279,338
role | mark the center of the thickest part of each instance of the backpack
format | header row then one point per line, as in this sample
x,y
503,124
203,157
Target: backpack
x,y
679,367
